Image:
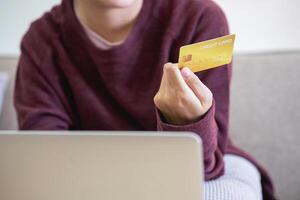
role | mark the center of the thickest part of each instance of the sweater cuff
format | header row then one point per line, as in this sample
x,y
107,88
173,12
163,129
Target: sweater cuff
x,y
206,128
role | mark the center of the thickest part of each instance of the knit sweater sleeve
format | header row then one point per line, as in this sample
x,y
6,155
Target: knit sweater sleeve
x,y
213,126
38,94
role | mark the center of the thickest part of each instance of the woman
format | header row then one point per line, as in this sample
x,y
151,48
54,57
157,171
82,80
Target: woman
x,y
104,65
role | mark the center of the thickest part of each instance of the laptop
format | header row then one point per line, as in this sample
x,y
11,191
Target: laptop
x,y
100,166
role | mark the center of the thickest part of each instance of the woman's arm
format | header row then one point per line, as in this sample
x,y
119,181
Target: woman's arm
x,y
37,102
212,126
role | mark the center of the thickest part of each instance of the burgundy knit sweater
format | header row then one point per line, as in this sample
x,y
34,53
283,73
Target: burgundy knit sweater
x,y
64,82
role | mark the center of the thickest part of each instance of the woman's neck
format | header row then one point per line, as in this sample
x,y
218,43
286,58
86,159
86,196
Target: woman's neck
x,y
113,24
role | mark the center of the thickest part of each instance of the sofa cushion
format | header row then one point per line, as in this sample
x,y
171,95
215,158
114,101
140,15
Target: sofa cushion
x,y
265,117
4,76
8,117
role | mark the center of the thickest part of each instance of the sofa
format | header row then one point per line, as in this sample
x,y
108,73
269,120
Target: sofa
x,y
265,116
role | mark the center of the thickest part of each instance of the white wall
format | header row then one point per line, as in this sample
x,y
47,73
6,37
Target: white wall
x,y
15,17
260,25
264,25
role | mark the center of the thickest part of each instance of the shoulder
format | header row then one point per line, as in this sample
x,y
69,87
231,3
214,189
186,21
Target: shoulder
x,y
195,7
186,18
41,34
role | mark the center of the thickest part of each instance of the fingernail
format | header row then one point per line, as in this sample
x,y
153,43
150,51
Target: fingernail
x,y
186,72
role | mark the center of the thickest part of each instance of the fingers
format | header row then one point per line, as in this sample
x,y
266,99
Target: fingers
x,y
182,98
201,91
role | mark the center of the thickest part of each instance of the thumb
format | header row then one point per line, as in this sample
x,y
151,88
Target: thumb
x,y
173,76
201,91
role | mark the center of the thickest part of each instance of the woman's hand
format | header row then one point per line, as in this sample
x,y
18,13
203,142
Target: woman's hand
x,y
182,98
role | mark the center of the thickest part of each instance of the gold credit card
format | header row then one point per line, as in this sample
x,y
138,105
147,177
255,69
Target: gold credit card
x,y
208,54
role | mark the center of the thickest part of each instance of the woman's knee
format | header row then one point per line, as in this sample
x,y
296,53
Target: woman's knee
x,y
240,181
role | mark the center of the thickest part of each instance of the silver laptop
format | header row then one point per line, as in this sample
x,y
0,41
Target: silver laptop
x,y
100,166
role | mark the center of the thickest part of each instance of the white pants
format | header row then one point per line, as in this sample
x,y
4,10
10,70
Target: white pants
x,y
241,181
